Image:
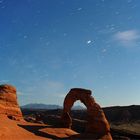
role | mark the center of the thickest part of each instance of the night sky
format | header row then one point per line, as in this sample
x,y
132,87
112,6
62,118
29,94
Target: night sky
x,y
48,47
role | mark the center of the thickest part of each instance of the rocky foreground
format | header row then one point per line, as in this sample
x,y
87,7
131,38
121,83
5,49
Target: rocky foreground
x,y
13,126
22,130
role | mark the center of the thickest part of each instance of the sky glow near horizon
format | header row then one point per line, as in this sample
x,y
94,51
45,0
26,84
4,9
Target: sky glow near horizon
x,y
48,47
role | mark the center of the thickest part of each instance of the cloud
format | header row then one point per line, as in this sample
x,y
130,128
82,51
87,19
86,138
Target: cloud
x,y
46,87
55,85
62,95
127,38
19,93
4,81
79,9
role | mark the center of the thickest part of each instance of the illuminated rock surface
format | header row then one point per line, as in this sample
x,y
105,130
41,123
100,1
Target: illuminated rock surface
x,y
8,102
97,126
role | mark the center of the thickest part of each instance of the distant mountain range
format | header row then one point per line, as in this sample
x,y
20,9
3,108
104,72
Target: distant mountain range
x,y
40,106
48,106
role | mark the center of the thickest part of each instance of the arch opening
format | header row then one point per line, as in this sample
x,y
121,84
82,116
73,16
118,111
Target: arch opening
x,y
78,114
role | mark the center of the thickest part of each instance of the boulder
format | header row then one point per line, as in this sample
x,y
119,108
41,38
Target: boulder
x,y
8,102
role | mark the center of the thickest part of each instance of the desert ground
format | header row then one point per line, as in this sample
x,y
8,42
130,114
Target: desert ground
x,y
22,130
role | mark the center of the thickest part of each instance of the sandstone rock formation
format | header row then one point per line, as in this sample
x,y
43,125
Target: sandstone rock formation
x,y
97,126
8,102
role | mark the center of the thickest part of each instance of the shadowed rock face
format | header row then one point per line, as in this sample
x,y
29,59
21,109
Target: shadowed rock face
x,y
8,102
97,124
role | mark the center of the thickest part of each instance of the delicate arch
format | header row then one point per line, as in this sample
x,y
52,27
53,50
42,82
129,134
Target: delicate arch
x,y
97,122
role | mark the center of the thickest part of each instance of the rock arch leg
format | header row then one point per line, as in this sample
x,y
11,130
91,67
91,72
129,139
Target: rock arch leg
x,y
67,121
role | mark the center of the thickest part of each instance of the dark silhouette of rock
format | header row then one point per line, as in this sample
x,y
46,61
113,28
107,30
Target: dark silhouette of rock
x,y
122,113
125,116
8,102
97,126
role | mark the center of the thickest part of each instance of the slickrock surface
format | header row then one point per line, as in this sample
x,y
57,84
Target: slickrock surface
x,y
22,130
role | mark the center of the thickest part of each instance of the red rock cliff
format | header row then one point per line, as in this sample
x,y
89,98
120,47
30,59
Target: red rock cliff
x,y
8,102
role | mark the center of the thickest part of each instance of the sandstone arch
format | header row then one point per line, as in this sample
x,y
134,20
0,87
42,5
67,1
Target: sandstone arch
x,y
97,123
